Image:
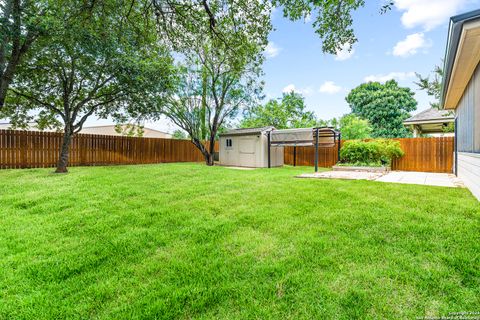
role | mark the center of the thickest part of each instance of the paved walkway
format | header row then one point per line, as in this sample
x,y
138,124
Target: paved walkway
x,y
348,175
425,178
409,177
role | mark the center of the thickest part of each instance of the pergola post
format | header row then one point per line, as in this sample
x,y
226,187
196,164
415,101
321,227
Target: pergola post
x,y
455,146
316,149
294,156
268,151
339,146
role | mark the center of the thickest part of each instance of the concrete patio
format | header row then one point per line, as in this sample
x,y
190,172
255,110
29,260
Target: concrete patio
x,y
407,177
425,178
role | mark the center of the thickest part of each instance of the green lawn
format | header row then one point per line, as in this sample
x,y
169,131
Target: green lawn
x,y
189,241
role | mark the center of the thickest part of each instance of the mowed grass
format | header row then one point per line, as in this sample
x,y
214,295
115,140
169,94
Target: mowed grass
x,y
189,241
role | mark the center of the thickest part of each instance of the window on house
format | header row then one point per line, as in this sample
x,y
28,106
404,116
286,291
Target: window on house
x,y
229,143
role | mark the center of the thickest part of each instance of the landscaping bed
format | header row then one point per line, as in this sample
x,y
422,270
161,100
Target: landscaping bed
x,y
378,169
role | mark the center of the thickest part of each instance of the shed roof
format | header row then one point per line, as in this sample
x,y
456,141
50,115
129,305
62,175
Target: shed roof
x,y
247,131
431,115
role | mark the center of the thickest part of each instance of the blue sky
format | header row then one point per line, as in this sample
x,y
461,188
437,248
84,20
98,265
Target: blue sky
x,y
410,38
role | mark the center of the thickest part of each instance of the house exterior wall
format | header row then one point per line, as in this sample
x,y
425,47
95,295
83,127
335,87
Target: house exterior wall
x,y
468,134
248,151
468,116
469,171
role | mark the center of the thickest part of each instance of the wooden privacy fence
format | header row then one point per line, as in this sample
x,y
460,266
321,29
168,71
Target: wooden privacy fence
x,y
35,149
426,154
421,154
305,156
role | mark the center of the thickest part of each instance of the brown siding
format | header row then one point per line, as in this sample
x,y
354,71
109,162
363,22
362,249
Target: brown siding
x,y
468,115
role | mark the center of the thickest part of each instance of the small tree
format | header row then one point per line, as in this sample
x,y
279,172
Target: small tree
x,y
353,127
385,106
99,65
227,92
433,86
179,134
289,112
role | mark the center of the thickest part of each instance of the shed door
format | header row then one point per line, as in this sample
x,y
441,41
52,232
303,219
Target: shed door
x,y
246,152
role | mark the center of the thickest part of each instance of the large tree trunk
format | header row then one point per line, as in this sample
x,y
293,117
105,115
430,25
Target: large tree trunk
x,y
64,152
209,161
211,150
206,153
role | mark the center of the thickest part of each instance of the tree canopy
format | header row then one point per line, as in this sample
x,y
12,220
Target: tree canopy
x,y
385,106
96,64
22,22
287,112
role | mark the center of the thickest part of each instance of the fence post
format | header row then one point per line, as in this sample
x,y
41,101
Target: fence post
x,y
23,149
339,146
294,156
316,150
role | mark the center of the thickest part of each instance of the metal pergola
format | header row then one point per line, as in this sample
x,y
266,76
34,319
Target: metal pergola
x,y
320,137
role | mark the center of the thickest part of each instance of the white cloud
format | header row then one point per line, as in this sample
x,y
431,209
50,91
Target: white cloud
x,y
291,87
308,18
344,53
330,87
392,75
271,50
411,44
428,13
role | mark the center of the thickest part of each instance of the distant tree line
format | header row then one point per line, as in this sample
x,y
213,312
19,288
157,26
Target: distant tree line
x,y
377,111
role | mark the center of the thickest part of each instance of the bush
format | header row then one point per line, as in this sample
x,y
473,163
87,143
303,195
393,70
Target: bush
x,y
370,153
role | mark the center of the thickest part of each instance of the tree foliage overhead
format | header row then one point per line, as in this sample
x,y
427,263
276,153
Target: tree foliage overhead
x,y
385,106
22,22
289,112
232,26
182,22
333,22
333,19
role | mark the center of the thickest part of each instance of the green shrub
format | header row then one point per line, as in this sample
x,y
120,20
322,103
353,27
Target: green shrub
x,y
389,150
373,153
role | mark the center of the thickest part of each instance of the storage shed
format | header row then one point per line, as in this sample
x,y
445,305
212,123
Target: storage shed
x,y
248,148
263,147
